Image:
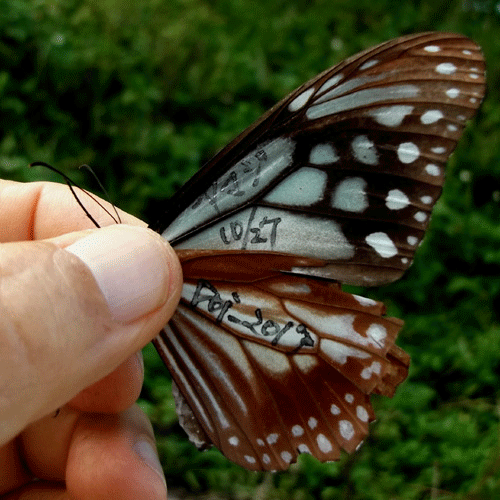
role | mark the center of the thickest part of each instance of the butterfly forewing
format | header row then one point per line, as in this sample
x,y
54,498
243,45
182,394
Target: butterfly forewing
x,y
334,184
352,163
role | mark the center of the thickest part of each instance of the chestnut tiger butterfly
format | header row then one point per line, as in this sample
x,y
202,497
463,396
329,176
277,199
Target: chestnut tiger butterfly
x,y
334,185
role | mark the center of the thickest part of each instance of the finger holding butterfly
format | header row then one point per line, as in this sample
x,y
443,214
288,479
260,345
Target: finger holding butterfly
x,y
75,309
41,210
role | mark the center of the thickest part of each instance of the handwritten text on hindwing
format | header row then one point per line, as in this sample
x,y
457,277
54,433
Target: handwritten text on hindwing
x,y
207,295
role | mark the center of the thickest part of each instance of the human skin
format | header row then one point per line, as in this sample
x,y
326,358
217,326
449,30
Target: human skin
x,y
76,306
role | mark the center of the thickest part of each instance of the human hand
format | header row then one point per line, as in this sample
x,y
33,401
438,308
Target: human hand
x,y
75,305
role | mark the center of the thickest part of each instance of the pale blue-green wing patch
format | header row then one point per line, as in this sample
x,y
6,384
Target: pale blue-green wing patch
x,y
347,168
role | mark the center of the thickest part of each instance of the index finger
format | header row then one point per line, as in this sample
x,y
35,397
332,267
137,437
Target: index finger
x,y
41,210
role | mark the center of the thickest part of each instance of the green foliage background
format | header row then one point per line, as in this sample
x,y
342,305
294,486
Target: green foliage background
x,y
146,91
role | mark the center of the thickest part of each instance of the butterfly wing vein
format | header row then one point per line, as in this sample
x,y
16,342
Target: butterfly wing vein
x,y
335,184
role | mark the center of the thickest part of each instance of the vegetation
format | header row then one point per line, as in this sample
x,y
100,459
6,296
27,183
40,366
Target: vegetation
x,y
146,91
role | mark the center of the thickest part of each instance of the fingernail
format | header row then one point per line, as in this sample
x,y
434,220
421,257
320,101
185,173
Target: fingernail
x,y
131,267
147,451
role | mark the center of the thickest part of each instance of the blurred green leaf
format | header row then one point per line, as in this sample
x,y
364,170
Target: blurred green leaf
x,y
147,91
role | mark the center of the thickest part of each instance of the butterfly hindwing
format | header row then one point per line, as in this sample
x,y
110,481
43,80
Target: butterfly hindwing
x,y
335,184
284,366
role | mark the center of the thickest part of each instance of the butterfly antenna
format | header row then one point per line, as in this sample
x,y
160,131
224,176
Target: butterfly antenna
x,y
71,184
94,175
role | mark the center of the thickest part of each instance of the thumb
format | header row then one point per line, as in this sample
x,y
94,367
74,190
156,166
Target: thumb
x,y
74,308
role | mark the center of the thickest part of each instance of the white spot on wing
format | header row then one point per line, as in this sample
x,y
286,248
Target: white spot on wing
x,y
364,150
426,199
382,244
446,68
330,83
350,195
323,154
297,430
272,361
433,170
312,422
301,100
250,460
396,200
432,48
334,410
439,150
390,116
286,456
408,152
266,459
324,444
452,93
301,188
377,333
364,301
412,240
303,448
349,398
368,64
272,438
234,441
346,429
452,128
431,116
367,372
361,413
420,216
305,362
466,52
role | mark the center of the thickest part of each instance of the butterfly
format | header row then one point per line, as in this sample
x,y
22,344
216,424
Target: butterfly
x,y
333,185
